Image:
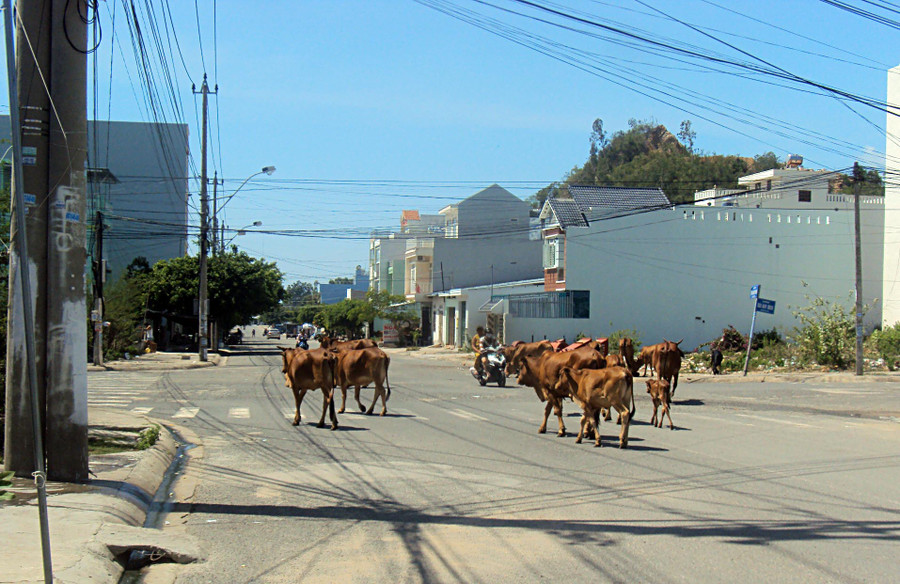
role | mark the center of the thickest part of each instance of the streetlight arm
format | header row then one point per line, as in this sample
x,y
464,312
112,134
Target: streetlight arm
x,y
266,170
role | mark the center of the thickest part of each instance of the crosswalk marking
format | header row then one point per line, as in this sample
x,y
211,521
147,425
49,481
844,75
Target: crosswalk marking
x,y
117,389
142,411
466,415
186,413
239,413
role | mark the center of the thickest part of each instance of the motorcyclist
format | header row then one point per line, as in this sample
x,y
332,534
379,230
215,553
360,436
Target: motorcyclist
x,y
302,341
487,343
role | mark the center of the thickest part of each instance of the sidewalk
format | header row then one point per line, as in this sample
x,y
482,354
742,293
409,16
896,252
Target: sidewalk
x,y
94,526
159,360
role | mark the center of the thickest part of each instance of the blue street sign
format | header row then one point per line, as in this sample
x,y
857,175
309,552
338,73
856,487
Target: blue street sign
x,y
754,292
767,306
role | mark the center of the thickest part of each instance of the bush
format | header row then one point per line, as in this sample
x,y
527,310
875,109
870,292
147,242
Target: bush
x,y
886,343
148,437
632,334
827,333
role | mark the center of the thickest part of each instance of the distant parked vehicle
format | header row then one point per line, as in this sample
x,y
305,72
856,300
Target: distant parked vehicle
x,y
273,333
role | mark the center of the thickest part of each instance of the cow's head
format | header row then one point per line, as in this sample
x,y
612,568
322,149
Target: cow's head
x,y
287,354
527,371
567,380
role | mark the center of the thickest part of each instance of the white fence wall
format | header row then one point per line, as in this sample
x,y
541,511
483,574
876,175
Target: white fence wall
x,y
687,272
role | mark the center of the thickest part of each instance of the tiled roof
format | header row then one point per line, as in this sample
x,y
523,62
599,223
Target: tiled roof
x,y
618,197
567,212
584,202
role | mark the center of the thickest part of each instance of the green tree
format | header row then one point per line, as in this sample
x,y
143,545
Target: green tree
x,y
124,308
766,161
340,281
239,285
300,293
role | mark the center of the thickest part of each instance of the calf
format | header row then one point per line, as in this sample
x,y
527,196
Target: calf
x,y
308,371
542,374
360,367
615,361
659,393
593,389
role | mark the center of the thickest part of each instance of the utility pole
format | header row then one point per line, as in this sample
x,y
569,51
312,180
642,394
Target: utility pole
x,y
51,73
858,178
203,304
21,331
99,280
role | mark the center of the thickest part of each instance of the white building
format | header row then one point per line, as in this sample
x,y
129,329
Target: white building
x,y
686,271
485,239
891,273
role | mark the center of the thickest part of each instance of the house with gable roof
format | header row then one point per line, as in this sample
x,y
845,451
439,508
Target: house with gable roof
x,y
576,206
485,239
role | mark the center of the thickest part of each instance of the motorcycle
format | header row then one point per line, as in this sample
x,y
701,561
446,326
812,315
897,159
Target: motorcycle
x,y
302,344
494,369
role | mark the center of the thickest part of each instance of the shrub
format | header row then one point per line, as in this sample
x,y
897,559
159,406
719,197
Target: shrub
x,y
632,334
887,344
732,340
148,437
827,333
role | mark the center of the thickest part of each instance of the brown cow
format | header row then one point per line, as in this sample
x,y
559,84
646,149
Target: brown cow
x,y
615,361
626,350
667,362
542,374
521,350
360,367
327,342
645,359
659,393
310,370
596,389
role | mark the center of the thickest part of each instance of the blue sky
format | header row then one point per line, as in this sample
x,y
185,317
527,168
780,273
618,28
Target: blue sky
x,y
370,107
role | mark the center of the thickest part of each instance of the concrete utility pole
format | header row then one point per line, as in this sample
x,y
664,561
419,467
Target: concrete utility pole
x,y
51,70
203,304
858,178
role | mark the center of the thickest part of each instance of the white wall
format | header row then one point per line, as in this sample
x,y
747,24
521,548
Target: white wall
x,y
658,272
891,274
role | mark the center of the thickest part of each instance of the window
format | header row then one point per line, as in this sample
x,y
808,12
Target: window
x,y
768,185
568,304
804,196
551,253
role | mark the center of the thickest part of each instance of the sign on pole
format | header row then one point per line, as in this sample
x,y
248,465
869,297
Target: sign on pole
x,y
760,305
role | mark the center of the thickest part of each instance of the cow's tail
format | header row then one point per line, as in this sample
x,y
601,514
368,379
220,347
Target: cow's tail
x,y
387,364
633,408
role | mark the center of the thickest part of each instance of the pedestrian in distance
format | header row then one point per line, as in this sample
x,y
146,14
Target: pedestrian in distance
x,y
716,357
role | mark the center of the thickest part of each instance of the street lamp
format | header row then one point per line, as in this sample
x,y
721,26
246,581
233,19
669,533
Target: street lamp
x,y
268,170
241,232
265,170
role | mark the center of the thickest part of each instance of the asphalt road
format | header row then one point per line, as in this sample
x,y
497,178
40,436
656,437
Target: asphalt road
x,y
761,482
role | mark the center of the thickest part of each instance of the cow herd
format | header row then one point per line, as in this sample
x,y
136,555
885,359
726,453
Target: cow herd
x,y
583,372
596,381
336,364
